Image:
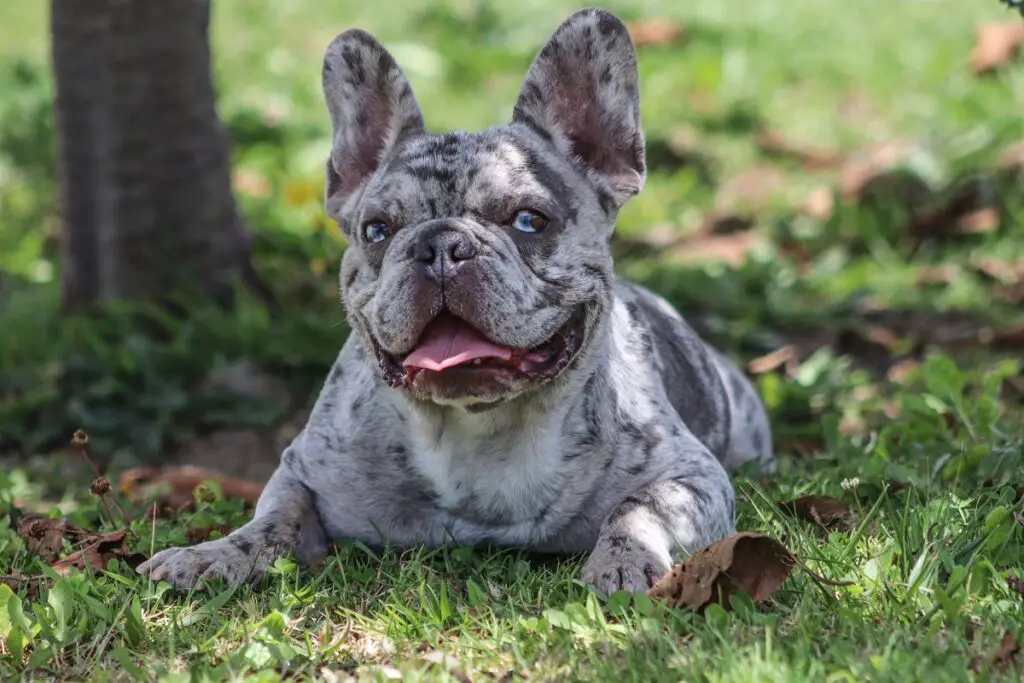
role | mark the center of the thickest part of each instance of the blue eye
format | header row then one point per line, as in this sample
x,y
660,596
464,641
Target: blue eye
x,y
376,231
529,221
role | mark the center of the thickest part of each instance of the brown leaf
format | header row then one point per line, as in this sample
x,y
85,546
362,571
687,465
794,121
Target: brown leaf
x,y
752,190
822,510
1016,584
1008,649
820,204
783,357
774,143
654,31
174,486
15,580
44,536
871,165
996,43
732,249
250,183
18,582
1008,340
98,551
753,563
942,274
978,221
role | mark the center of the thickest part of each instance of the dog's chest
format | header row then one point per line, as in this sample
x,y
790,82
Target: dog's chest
x,y
497,481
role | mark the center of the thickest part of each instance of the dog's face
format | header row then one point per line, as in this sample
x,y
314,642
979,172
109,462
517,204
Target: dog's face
x,y
479,264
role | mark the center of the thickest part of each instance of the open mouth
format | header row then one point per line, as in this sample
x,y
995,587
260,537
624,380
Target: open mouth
x,y
451,347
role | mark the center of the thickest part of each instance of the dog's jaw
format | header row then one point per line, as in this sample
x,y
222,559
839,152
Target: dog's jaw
x,y
485,383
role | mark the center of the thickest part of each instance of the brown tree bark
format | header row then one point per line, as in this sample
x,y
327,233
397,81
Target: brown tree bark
x,y
146,204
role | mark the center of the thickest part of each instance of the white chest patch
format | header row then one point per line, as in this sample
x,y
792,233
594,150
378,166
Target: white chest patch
x,y
510,478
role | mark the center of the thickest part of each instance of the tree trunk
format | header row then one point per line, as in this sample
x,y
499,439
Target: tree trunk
x,y
146,205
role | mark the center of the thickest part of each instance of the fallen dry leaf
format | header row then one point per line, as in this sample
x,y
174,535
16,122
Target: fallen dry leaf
x,y
871,163
18,582
732,249
820,204
752,190
942,274
44,536
822,510
774,143
1008,340
174,486
654,31
97,552
14,580
783,357
1008,649
901,371
250,183
753,563
996,44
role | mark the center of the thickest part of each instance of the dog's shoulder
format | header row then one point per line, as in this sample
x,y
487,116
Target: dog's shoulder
x,y
686,368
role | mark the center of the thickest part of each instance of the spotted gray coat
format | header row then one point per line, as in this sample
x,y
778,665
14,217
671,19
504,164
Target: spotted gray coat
x,y
622,454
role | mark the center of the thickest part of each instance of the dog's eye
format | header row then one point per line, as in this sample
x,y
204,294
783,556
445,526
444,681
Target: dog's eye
x,y
376,231
529,221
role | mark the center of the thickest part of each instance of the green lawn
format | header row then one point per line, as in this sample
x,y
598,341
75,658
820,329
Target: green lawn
x,y
903,399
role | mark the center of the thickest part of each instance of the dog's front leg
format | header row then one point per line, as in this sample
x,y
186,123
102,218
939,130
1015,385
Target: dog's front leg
x,y
640,538
285,519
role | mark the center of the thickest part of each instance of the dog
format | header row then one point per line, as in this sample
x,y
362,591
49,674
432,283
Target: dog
x,y
501,385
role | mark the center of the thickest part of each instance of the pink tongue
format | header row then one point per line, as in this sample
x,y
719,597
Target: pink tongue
x,y
449,342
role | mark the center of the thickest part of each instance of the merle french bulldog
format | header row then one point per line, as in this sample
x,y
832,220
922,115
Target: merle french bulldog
x,y
501,385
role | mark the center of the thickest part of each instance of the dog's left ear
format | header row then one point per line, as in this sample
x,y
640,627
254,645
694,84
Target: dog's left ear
x,y
582,94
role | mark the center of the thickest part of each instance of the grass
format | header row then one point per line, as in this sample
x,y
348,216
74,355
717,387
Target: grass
x,y
931,406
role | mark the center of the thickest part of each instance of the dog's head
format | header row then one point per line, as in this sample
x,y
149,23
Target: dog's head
x,y
479,264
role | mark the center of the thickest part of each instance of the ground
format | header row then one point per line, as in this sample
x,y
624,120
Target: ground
x,y
835,199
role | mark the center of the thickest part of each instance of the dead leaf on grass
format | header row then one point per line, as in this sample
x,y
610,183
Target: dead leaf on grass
x,y
19,583
97,552
996,44
820,204
871,163
1008,649
822,510
654,31
733,249
784,357
812,157
753,563
942,274
750,191
902,370
44,536
1008,340
175,486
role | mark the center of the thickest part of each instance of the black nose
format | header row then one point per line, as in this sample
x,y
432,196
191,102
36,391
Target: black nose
x,y
442,247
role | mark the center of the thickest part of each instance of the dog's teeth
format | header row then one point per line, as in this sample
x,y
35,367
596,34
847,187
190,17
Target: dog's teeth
x,y
478,361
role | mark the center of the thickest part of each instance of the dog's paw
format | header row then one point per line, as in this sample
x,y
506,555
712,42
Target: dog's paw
x,y
187,568
621,564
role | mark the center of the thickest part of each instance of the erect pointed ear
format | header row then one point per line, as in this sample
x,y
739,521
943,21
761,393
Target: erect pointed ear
x,y
582,93
372,109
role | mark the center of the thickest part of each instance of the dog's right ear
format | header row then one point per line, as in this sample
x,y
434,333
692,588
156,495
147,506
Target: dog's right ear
x,y
372,109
